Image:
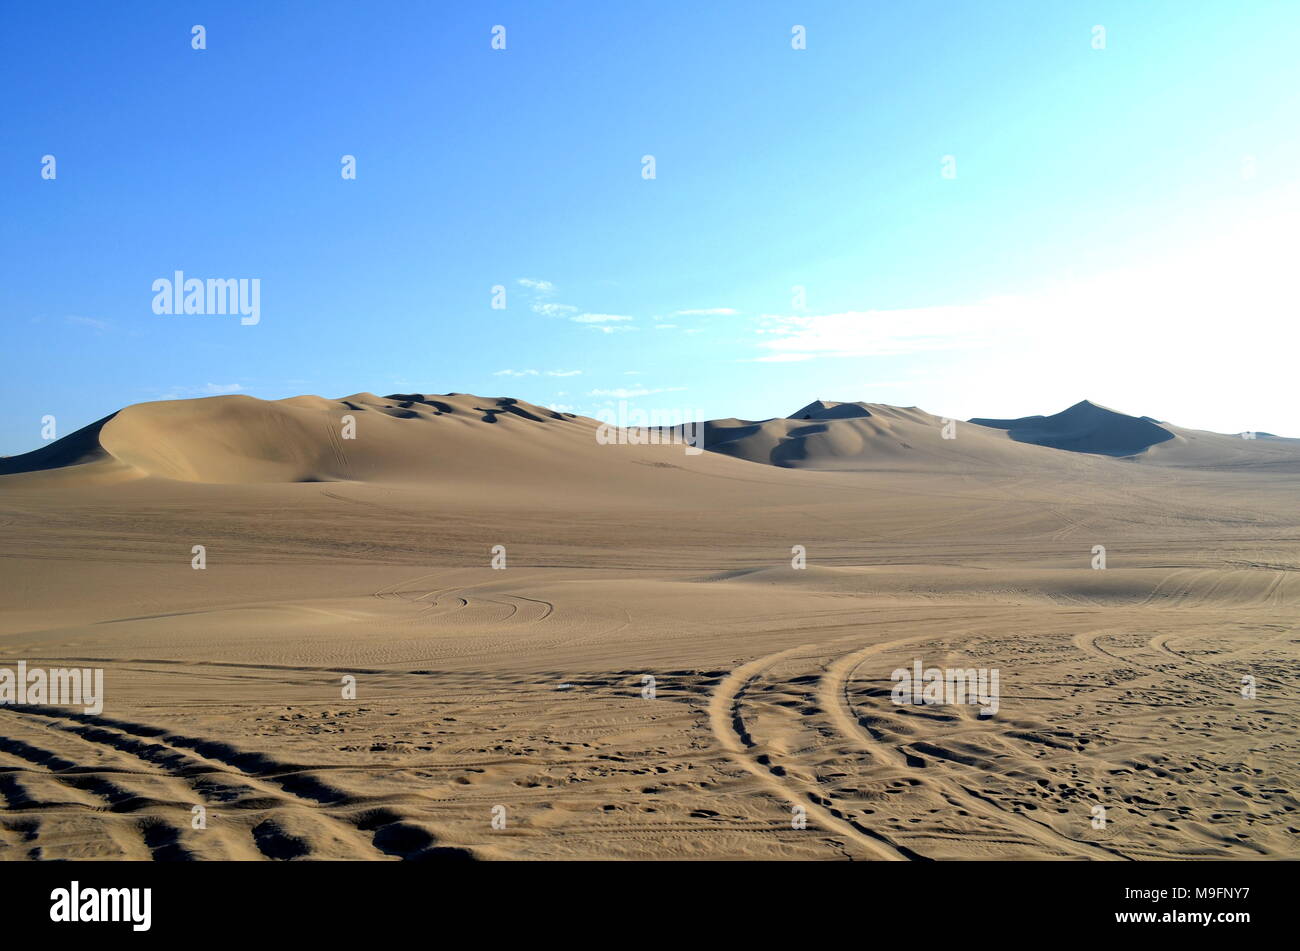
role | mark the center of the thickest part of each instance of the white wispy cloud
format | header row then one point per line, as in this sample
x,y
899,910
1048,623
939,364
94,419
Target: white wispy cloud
x,y
551,309
207,389
861,333
598,318
1238,284
707,312
563,372
515,373
1199,329
625,393
91,322
540,293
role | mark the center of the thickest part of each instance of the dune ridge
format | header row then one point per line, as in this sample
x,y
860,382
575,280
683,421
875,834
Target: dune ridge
x,y
452,437
362,437
832,435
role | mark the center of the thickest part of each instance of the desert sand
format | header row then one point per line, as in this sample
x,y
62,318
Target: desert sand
x,y
505,713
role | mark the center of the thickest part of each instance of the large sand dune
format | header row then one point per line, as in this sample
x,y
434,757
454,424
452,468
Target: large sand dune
x,y
827,435
1085,427
1089,428
441,439
830,435
525,688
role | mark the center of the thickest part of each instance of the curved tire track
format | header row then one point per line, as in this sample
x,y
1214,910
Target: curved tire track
x,y
728,726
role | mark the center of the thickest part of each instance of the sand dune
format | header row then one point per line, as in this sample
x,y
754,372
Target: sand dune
x,y
1088,428
1085,427
455,438
830,435
233,439
1198,449
443,440
520,692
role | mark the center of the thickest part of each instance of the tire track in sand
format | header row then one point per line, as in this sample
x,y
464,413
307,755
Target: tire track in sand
x,y
834,696
728,726
199,761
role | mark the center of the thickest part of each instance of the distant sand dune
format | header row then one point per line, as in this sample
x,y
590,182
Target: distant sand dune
x,y
1085,427
455,437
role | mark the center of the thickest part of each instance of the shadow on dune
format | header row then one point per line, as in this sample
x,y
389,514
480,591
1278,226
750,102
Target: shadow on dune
x,y
1085,427
793,446
77,449
409,842
508,405
405,400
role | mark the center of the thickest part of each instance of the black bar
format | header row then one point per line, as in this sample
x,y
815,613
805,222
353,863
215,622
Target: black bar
x,y
990,901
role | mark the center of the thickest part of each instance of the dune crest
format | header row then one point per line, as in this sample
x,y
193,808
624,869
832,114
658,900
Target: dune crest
x,y
234,439
856,436
458,437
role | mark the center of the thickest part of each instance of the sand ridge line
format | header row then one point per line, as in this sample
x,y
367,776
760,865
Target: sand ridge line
x,y
194,761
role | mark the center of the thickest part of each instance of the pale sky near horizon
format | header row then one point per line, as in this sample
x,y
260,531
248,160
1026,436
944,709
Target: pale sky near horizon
x,y
1123,224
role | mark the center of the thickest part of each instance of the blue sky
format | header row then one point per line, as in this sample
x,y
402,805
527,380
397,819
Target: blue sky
x,y
1122,224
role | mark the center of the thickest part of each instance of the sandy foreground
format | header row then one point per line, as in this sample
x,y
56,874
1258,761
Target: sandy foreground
x,y
506,713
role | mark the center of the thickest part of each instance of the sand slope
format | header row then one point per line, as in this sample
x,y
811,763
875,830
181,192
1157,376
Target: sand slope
x,y
1089,428
831,435
458,438
234,439
447,440
1085,427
